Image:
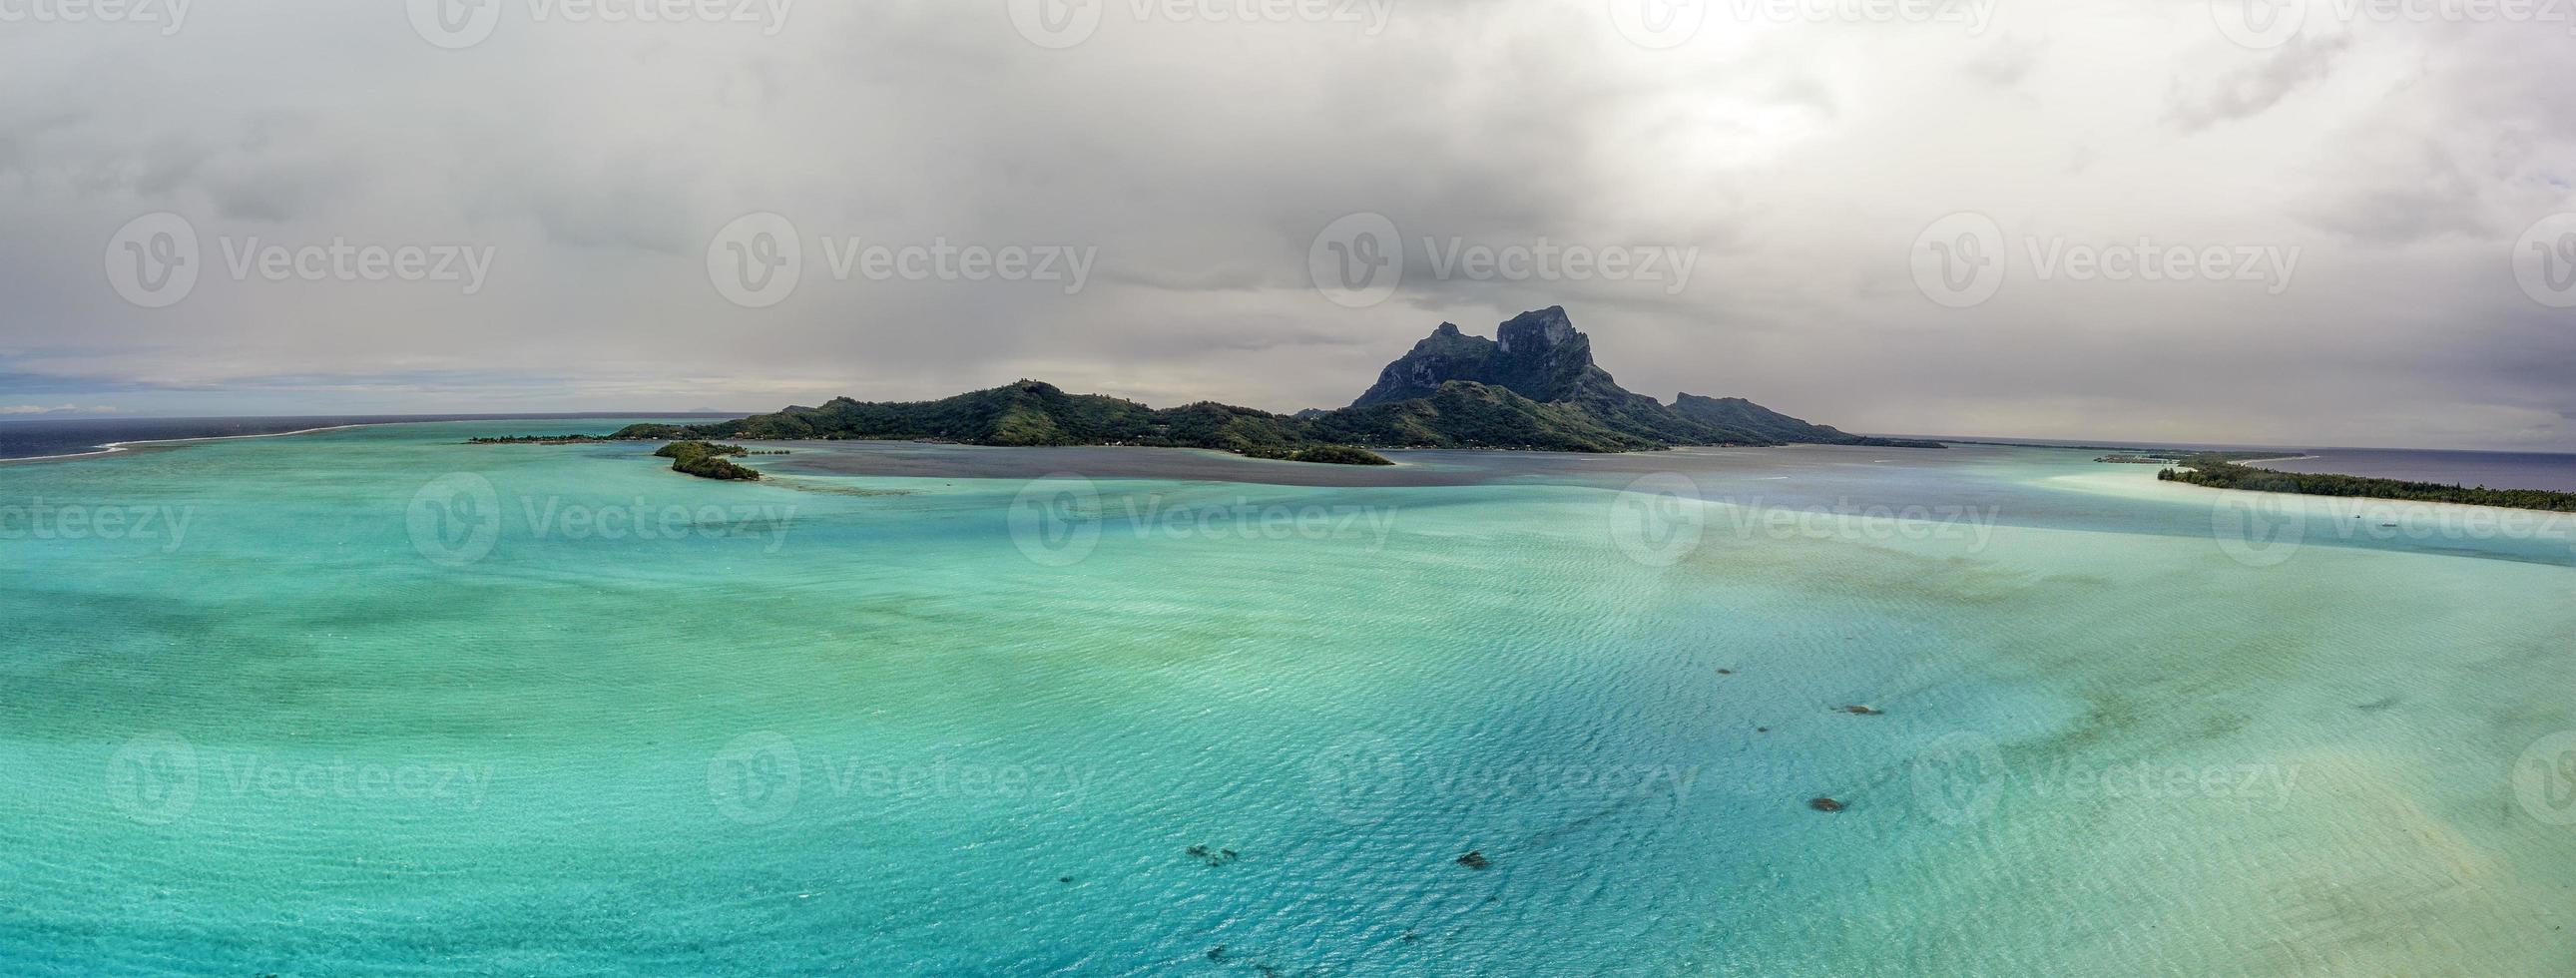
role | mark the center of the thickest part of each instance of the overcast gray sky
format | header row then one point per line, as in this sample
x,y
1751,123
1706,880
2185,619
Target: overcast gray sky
x,y
1894,217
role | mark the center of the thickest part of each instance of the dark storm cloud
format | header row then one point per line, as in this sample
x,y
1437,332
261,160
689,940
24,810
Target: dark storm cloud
x,y
1196,163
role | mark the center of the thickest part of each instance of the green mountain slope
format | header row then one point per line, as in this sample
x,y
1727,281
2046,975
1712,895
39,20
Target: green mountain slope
x,y
1740,414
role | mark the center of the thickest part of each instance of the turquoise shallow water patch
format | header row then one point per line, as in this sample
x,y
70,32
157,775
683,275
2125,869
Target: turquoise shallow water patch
x,y
389,704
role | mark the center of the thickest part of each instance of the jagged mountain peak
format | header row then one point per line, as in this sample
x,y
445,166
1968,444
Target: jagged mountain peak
x,y
1538,355
1540,330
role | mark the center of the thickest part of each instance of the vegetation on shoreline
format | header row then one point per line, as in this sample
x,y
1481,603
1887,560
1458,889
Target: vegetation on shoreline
x,y
1339,455
2215,470
1034,414
545,440
706,460
2161,456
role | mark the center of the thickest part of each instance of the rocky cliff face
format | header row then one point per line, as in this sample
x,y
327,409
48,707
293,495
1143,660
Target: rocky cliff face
x,y
1538,355
1445,355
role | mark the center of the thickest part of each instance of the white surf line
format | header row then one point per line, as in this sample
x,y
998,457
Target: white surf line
x,y
114,447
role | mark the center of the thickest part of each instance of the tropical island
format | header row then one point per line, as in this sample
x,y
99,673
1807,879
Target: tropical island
x,y
1533,387
706,460
542,440
2217,471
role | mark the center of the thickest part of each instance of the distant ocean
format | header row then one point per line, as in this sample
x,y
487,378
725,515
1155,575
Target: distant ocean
x,y
40,438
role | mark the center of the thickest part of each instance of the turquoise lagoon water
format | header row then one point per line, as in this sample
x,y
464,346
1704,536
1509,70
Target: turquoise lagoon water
x,y
373,702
